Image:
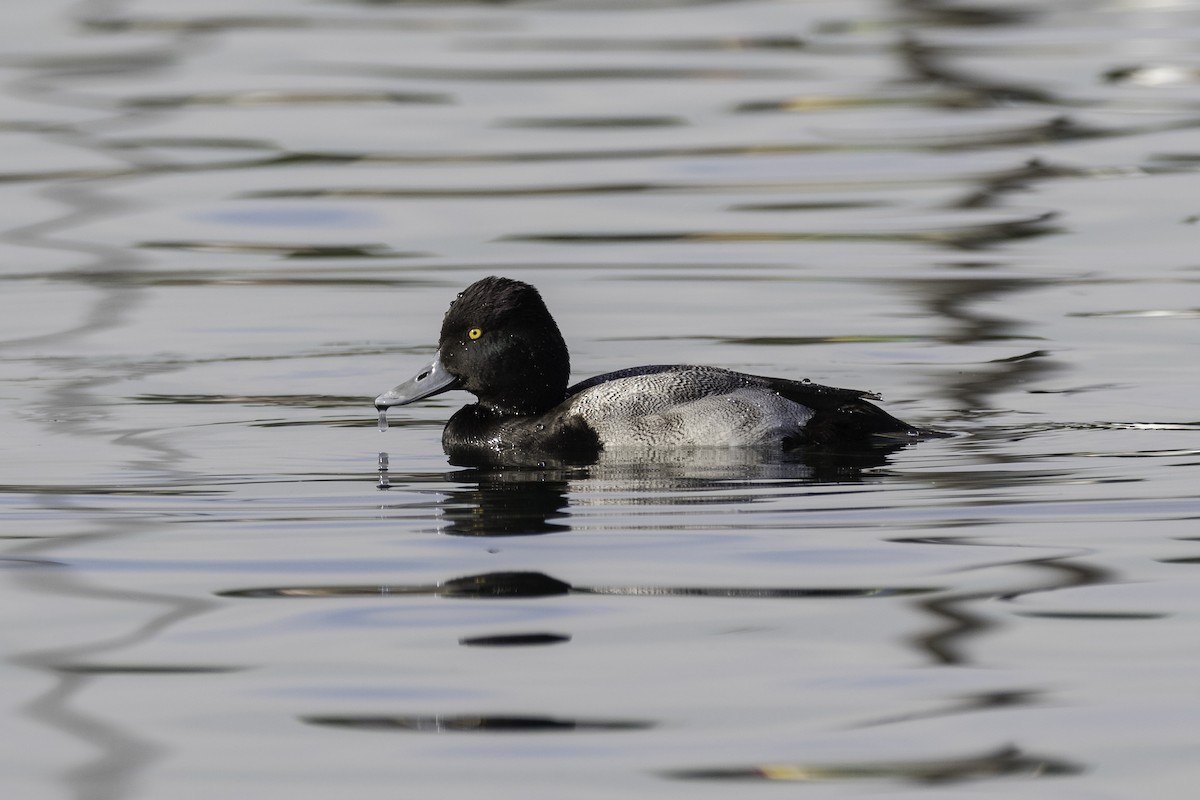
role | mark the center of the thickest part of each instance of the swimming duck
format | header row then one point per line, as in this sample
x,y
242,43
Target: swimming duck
x,y
499,342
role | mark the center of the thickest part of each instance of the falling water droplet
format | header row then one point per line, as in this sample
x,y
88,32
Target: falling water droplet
x,y
541,427
382,420
383,471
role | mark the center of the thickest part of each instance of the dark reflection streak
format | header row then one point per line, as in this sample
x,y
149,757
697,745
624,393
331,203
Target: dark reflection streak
x,y
457,723
59,66
1069,575
290,251
940,12
122,755
481,192
1007,761
537,584
276,98
953,300
1106,616
105,19
970,704
955,625
574,44
590,123
966,237
557,74
926,63
542,156
992,184
216,278
316,158
958,624
515,640
273,401
85,206
1020,179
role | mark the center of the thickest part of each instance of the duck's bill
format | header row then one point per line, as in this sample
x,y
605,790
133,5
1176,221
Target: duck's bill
x,y
434,379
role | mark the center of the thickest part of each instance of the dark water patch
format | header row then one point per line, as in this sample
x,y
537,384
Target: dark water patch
x,y
40,176
111,20
1021,357
550,155
576,44
1007,762
284,401
488,585
564,73
538,584
291,216
1020,179
962,617
1058,129
143,669
284,250
95,64
472,723
515,640
220,277
788,341
963,15
815,103
26,563
1092,615
798,341
273,97
814,205
590,123
627,187
964,237
118,489
168,153
190,143
35,126
468,193
932,63
328,422
970,704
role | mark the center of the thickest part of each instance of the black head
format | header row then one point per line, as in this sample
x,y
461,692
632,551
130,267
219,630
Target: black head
x,y
501,343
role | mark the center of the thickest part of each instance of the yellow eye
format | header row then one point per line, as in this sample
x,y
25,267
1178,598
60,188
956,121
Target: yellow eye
x,y
474,334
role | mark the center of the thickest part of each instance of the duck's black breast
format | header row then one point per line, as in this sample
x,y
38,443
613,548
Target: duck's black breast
x,y
478,435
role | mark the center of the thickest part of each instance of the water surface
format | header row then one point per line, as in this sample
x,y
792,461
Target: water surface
x,y
226,229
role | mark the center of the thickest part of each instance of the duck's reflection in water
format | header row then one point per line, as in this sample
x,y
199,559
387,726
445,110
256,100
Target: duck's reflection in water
x,y
506,500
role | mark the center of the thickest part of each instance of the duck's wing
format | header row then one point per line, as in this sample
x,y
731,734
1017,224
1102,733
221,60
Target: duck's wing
x,y
842,415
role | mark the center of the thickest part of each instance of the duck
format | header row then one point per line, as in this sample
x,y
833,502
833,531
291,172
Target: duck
x,y
499,342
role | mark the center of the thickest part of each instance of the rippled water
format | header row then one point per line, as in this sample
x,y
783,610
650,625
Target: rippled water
x,y
227,227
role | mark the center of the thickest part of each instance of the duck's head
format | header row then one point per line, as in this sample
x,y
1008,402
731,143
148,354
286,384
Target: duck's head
x,y
500,343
